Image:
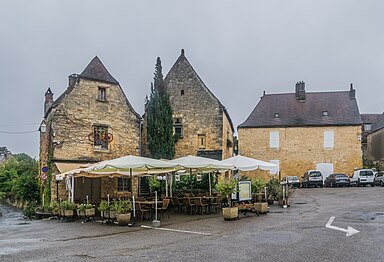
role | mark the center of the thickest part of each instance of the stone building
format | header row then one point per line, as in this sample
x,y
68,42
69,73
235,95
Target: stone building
x,y
375,141
200,120
304,130
90,122
368,121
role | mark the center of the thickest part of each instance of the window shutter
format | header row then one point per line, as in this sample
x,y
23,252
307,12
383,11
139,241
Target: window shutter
x,y
274,139
328,139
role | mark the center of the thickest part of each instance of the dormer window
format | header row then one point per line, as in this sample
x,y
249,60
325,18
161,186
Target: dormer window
x,y
276,115
102,94
325,113
367,127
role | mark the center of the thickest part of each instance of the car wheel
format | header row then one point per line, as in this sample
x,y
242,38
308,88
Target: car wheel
x,y
373,185
381,183
321,186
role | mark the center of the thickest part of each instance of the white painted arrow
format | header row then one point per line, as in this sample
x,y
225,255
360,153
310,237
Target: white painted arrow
x,y
350,230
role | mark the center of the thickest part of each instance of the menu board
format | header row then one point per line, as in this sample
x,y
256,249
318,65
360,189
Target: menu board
x,y
245,192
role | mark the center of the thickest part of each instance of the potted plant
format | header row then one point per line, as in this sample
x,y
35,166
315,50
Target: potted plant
x,y
225,188
104,209
257,187
55,208
123,212
67,208
273,189
80,210
112,210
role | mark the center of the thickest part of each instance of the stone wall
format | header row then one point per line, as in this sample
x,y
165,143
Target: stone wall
x,y
376,147
301,148
200,111
70,125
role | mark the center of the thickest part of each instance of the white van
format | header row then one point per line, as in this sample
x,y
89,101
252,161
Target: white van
x,y
363,177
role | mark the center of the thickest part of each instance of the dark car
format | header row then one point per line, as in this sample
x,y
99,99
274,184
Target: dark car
x,y
335,180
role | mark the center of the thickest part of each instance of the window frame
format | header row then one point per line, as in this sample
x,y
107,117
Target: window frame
x,y
329,139
274,139
124,184
102,94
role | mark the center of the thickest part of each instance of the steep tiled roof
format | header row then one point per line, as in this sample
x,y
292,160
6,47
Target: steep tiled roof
x,y
370,118
97,71
280,110
379,124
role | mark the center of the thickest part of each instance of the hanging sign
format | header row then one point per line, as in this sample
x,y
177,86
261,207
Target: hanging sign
x,y
177,178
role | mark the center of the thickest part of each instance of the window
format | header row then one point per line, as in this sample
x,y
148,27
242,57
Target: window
x,y
367,127
325,113
182,92
102,94
202,140
101,137
124,184
274,139
274,170
328,139
178,127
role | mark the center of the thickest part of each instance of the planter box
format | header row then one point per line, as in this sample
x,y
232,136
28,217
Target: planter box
x,y
112,214
230,213
262,208
123,219
90,212
68,213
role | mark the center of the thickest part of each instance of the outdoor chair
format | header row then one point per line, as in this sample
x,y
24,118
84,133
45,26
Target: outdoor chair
x,y
200,205
180,204
140,209
216,204
189,204
164,208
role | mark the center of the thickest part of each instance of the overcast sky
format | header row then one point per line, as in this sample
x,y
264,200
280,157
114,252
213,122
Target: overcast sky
x,y
239,49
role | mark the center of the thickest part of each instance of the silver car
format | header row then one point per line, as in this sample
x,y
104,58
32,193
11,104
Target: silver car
x,y
379,178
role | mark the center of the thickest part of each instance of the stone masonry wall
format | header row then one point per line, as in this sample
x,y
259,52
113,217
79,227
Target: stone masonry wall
x,y
199,110
376,147
301,148
227,136
71,123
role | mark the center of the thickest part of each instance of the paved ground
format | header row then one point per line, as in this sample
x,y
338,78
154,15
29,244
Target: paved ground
x,y
294,234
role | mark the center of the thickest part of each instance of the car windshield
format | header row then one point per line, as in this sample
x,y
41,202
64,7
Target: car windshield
x,y
315,174
293,178
342,176
366,173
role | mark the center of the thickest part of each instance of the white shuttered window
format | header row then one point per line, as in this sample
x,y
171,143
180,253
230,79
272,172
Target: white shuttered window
x,y
274,139
328,139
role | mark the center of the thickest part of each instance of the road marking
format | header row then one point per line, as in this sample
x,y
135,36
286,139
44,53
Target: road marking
x,y
350,230
177,230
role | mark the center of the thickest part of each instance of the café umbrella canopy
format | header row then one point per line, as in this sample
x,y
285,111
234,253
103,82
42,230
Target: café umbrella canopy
x,y
128,165
244,163
194,164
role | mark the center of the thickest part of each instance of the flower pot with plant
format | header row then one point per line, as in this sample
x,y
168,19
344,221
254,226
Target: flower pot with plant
x,y
104,209
258,185
123,212
273,187
55,208
225,188
67,208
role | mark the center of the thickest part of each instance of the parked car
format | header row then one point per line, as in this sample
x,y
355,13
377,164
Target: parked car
x,y
362,177
379,178
292,181
335,180
312,178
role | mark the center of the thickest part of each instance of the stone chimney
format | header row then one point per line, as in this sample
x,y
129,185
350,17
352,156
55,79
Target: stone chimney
x,y
352,92
72,79
300,91
48,100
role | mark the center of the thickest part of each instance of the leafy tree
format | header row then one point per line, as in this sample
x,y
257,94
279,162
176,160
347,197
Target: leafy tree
x,y
161,140
18,178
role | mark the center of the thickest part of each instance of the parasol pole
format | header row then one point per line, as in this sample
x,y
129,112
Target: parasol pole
x,y
166,184
210,186
190,178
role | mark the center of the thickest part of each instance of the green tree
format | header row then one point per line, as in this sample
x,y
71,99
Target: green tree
x,y
161,140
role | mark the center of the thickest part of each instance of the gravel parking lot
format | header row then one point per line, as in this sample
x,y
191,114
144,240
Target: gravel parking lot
x,y
297,233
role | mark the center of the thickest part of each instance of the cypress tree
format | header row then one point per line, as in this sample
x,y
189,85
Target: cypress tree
x,y
161,142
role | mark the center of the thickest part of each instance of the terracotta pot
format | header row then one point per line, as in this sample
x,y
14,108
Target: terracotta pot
x,y
230,213
123,219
